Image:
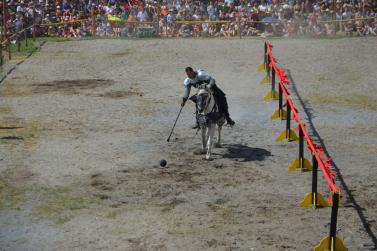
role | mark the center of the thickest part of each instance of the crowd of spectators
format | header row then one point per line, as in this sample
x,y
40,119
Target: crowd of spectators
x,y
192,18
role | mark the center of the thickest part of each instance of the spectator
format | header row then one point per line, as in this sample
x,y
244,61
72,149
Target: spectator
x,y
142,15
348,28
295,17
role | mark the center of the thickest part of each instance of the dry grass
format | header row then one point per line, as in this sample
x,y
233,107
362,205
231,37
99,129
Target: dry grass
x,y
120,94
59,204
16,131
10,197
9,89
71,86
355,101
126,52
5,110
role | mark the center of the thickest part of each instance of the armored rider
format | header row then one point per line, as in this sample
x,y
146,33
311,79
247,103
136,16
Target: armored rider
x,y
198,78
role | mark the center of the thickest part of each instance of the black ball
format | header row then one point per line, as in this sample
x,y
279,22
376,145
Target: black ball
x,y
163,163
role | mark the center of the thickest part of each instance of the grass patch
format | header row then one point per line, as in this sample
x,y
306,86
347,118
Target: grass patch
x,y
111,215
57,202
9,90
63,219
15,131
23,48
5,110
10,197
54,39
356,101
124,53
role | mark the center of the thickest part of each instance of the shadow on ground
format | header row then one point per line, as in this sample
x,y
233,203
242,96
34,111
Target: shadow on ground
x,y
244,153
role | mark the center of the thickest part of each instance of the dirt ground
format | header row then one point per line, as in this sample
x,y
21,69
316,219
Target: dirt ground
x,y
83,126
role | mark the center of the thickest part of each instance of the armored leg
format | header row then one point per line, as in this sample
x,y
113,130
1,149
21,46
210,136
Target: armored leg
x,y
193,98
222,103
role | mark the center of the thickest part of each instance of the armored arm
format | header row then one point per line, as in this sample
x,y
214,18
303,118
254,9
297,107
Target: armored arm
x,y
187,84
212,83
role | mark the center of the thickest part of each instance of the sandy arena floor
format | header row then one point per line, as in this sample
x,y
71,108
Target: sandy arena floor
x,y
84,124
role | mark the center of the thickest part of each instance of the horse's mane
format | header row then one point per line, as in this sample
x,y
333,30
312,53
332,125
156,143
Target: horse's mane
x,y
207,91
204,91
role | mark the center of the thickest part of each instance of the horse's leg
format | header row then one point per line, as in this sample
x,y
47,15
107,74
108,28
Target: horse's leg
x,y
218,144
211,130
204,139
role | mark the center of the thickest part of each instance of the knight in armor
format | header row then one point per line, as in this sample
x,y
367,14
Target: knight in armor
x,y
197,79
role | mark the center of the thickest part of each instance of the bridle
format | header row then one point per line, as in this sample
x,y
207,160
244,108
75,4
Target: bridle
x,y
208,103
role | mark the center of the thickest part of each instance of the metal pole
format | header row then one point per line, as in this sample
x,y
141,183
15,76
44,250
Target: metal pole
x,y
280,101
273,79
175,122
265,56
314,181
288,128
334,218
268,66
301,148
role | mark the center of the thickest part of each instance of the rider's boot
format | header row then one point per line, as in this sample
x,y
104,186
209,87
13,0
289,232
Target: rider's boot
x,y
196,126
230,121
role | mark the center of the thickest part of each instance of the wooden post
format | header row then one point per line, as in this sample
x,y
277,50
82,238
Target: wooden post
x,y
166,28
341,18
34,25
25,34
334,15
239,24
158,17
5,28
18,43
93,23
1,46
1,55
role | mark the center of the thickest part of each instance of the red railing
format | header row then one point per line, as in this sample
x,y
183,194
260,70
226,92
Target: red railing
x,y
319,158
316,151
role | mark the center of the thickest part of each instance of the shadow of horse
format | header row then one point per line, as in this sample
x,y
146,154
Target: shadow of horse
x,y
242,153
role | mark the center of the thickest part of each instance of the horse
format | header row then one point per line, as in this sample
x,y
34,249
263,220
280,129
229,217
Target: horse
x,y
208,117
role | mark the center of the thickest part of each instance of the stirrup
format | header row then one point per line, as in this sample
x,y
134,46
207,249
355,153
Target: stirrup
x,y
230,122
195,126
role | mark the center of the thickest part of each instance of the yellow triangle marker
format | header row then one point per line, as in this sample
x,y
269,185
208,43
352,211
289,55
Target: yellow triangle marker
x,y
325,244
297,165
279,113
309,198
290,135
261,67
271,95
265,80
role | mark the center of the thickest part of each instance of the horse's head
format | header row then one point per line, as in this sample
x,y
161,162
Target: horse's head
x,y
205,101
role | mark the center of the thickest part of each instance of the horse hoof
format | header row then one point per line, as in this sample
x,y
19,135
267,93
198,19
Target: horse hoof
x,y
209,158
199,152
217,145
